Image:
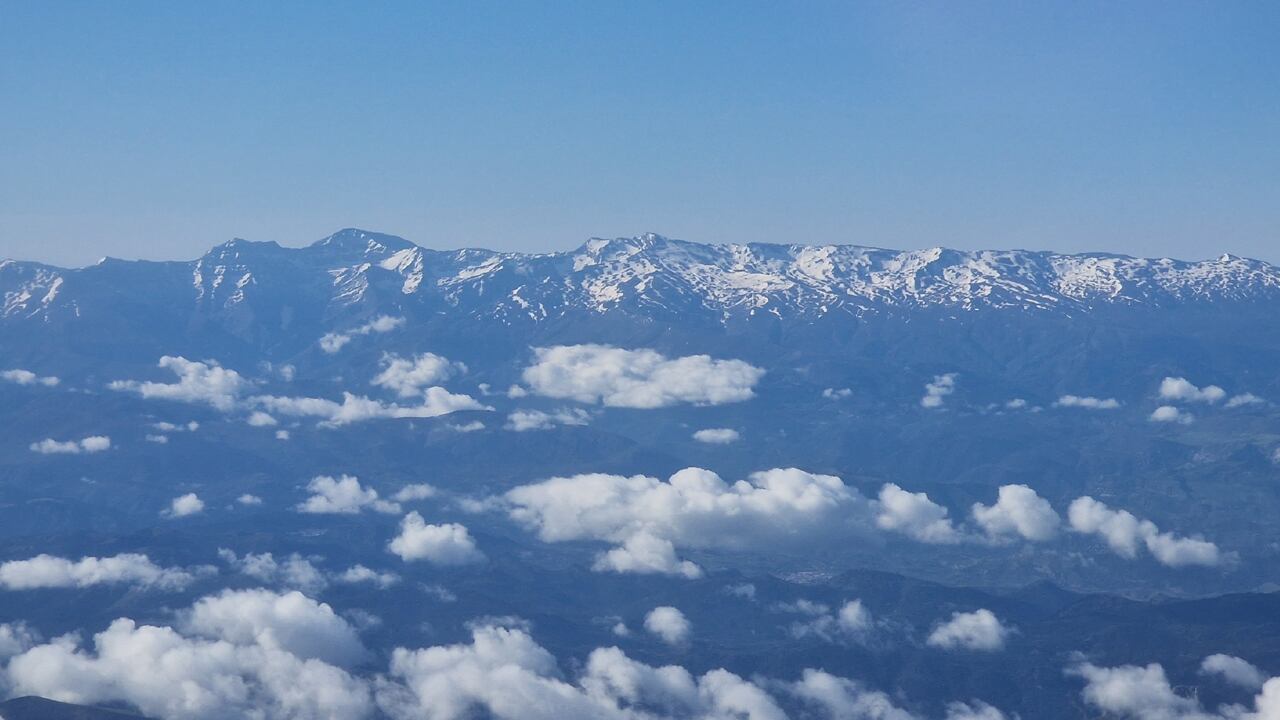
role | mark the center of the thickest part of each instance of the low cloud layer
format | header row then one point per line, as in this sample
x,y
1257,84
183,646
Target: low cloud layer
x,y
447,544
409,376
343,496
615,377
979,630
50,571
334,342
716,436
1087,402
19,376
1136,692
91,444
936,392
1125,533
1019,512
1181,390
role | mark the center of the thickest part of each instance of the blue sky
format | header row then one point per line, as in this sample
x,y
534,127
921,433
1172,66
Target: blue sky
x,y
156,130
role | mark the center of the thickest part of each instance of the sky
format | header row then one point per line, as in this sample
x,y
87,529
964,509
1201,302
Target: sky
x,y
159,129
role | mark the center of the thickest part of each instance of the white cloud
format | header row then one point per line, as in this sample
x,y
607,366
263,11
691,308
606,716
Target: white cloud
x,y
1179,389
91,444
836,393
1018,511
843,699
172,428
416,491
977,630
915,515
1234,670
1244,399
184,505
1169,413
1124,532
638,378
49,571
448,544
526,420
936,391
1015,404
1087,402
198,382
261,419
1144,693
647,518
282,434
669,624
333,342
158,439
851,620
26,377
472,426
716,436
248,499
15,638
436,401
361,574
344,496
408,377
294,571
239,654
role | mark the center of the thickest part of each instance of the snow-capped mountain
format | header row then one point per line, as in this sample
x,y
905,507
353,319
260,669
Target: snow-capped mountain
x,y
647,275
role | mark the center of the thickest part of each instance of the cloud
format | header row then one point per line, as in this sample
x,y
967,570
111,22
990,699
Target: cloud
x,y
361,574
294,571
647,518
1234,670
668,624
936,391
852,620
26,377
1018,511
472,426
158,439
282,434
172,428
49,571
261,419
1123,533
416,491
408,377
1087,402
436,401
198,382
1144,693
526,420
184,505
638,378
91,444
333,342
836,393
1244,399
249,653
342,496
1179,389
248,499
15,638
1015,404
1169,413
448,544
716,436
977,630
915,515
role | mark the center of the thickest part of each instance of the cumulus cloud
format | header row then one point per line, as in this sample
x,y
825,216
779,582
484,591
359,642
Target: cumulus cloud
x,y
261,419
836,393
248,499
26,377
360,574
435,401
1169,413
642,378
408,376
1124,533
526,420
716,436
1087,402
915,515
469,427
851,620
416,491
294,571
668,624
1179,389
977,630
333,342
937,391
844,699
16,638
1234,670
1144,693
91,444
647,518
198,382
447,544
184,505
342,496
1018,511
49,571
245,653
1244,399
